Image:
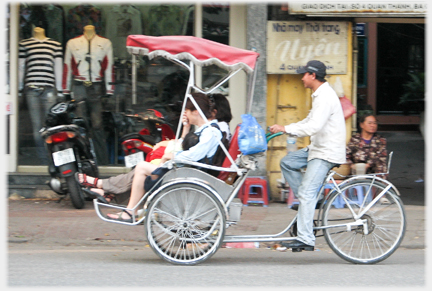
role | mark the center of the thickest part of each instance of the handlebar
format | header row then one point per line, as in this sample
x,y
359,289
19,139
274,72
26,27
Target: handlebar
x,y
269,135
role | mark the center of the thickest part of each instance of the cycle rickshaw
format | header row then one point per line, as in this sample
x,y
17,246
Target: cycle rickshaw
x,y
187,212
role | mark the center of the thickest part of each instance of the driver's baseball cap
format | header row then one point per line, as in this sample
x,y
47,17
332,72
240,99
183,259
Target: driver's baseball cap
x,y
313,66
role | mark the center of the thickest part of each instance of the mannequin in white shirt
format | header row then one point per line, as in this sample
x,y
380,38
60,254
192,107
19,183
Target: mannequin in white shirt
x,y
88,75
89,31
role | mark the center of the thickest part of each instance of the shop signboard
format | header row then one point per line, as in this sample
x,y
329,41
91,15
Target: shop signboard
x,y
359,8
291,44
360,29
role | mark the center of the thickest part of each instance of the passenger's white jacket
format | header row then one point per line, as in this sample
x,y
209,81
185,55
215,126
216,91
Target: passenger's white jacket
x,y
325,124
76,67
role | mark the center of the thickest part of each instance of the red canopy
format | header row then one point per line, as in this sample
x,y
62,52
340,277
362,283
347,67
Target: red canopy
x,y
200,51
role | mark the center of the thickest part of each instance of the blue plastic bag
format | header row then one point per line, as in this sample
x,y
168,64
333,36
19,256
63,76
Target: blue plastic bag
x,y
251,136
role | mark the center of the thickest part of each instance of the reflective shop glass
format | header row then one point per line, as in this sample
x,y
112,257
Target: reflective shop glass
x,y
160,84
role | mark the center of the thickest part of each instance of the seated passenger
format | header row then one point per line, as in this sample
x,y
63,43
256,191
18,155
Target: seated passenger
x,y
222,113
368,147
204,149
105,190
121,184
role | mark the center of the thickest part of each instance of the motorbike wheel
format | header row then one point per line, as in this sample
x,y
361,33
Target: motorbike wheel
x,y
76,195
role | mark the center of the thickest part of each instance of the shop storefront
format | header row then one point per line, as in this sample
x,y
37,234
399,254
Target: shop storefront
x,y
371,51
160,84
379,49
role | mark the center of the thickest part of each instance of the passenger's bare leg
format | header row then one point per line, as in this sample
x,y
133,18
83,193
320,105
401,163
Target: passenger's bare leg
x,y
142,170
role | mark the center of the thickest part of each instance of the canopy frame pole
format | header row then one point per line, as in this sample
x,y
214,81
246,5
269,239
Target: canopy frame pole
x,y
134,79
251,89
223,81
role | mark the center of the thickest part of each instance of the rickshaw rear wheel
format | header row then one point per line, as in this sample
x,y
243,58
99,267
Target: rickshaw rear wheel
x,y
185,224
385,222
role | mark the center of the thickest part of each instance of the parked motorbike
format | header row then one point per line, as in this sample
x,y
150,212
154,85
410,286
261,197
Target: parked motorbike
x,y
70,151
153,129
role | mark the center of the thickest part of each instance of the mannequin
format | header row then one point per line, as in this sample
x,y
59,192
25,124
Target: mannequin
x,y
40,87
39,33
88,74
89,31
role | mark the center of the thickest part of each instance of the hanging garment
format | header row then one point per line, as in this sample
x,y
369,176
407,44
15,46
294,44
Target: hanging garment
x,y
80,16
124,20
88,61
40,63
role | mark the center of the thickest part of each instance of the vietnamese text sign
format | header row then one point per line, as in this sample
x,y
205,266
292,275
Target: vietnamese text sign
x,y
404,7
291,44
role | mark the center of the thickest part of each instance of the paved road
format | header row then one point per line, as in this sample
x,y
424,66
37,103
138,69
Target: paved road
x,y
102,266
51,223
52,244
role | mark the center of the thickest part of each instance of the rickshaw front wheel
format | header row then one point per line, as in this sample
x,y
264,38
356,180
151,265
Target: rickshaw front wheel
x,y
185,224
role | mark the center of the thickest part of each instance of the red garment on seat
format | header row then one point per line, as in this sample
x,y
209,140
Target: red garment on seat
x,y
155,154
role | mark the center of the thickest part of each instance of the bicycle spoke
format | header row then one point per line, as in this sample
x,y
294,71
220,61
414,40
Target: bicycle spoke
x,y
384,224
185,224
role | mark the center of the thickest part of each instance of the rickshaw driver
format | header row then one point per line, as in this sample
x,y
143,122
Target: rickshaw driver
x,y
325,124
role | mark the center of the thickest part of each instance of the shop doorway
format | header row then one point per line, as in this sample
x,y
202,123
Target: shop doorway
x,y
400,68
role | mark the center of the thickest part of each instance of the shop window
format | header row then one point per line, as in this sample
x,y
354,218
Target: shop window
x,y
400,53
215,28
362,62
216,23
161,84
416,55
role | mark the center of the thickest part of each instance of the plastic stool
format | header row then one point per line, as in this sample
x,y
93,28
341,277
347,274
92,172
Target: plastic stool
x,y
287,193
360,195
254,190
339,202
291,198
356,198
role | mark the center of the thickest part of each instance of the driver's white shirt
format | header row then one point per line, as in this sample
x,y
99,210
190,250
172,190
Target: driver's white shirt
x,y
325,124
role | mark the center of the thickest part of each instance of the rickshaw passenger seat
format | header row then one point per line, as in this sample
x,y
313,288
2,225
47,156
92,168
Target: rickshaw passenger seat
x,y
233,151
